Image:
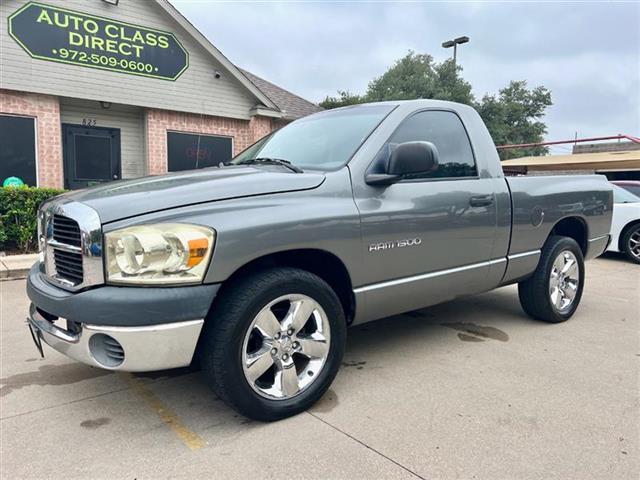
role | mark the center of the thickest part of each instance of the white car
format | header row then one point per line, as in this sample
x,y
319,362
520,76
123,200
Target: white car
x,y
625,226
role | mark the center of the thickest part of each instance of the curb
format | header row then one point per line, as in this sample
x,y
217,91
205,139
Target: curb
x,y
16,267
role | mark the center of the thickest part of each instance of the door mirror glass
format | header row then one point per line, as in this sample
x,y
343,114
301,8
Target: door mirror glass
x,y
413,158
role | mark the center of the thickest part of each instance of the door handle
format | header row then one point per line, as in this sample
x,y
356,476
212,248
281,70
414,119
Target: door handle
x,y
481,200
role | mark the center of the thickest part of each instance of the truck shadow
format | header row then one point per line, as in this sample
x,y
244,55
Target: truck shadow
x,y
476,318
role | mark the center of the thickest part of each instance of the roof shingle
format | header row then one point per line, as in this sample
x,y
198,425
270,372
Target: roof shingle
x,y
291,105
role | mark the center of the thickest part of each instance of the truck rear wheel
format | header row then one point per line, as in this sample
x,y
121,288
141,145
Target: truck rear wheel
x,y
274,343
552,294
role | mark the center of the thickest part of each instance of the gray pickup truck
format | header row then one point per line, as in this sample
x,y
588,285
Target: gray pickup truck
x,y
256,268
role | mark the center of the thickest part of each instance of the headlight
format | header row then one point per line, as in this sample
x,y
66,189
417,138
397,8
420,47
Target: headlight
x,y
165,253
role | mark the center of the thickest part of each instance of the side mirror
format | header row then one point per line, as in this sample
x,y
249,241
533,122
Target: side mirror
x,y
408,158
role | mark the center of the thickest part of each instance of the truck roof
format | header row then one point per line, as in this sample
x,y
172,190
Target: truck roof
x,y
409,104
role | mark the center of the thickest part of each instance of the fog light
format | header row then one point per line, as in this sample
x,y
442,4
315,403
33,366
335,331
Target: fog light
x,y
106,350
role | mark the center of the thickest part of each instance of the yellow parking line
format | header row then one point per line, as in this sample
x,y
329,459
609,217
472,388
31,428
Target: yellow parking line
x,y
190,438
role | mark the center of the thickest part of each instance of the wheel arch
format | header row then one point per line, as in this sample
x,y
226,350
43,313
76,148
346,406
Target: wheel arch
x,y
572,227
322,263
624,231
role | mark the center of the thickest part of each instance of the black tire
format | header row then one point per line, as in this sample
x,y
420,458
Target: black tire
x,y
627,248
221,346
534,292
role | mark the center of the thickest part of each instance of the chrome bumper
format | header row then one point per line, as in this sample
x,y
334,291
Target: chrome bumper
x,y
141,349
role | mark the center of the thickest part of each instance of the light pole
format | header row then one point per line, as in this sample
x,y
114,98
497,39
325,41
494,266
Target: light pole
x,y
454,43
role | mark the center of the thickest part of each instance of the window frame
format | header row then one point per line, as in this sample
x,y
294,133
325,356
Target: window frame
x,y
186,132
434,179
35,140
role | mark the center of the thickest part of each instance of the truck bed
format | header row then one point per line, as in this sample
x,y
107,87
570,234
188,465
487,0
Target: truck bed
x,y
539,202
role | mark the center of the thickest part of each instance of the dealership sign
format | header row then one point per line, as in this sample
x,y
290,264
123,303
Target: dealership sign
x,y
67,36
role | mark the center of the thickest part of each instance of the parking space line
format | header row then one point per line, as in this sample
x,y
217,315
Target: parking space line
x,y
190,438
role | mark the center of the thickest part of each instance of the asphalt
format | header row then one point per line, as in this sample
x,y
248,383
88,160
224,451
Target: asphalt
x,y
469,389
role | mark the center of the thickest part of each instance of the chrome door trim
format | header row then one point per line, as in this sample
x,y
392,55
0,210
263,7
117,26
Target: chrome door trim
x,y
597,239
523,254
425,276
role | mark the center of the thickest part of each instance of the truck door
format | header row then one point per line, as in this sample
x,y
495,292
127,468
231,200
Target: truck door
x,y
428,238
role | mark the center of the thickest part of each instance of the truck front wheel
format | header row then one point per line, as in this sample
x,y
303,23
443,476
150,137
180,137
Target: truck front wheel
x,y
552,294
274,342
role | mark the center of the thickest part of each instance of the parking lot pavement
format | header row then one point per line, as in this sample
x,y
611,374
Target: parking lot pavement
x,y
468,389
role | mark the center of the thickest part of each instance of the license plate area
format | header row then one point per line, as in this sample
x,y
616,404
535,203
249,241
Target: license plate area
x,y
36,335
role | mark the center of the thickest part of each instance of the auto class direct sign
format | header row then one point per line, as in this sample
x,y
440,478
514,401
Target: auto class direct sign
x,y
67,36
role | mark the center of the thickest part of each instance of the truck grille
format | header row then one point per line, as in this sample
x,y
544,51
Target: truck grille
x,y
66,230
68,265
70,238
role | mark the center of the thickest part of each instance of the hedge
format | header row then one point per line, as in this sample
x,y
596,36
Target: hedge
x,y
18,216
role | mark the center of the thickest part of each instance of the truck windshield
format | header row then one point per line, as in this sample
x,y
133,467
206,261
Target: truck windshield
x,y
324,141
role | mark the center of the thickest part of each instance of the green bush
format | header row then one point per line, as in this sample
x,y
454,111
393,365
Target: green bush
x,y
18,216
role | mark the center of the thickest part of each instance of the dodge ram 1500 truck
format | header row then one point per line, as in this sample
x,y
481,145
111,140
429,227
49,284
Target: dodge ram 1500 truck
x,y
257,267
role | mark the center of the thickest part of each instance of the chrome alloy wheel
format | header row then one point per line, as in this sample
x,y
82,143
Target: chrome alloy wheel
x,y
634,244
564,281
286,346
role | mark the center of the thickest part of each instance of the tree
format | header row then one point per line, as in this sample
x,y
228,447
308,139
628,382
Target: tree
x,y
513,116
343,99
418,76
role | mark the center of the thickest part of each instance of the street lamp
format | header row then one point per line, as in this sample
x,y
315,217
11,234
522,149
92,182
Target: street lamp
x,y
454,43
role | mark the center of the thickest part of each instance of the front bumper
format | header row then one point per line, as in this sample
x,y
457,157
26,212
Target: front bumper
x,y
130,349
121,306
120,328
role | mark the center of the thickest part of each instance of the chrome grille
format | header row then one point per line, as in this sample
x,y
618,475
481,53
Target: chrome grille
x,y
68,265
70,238
66,230
68,261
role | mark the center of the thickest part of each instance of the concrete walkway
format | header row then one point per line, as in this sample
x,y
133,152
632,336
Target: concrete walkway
x,y
14,267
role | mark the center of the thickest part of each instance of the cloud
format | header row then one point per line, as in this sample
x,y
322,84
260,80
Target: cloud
x,y
586,53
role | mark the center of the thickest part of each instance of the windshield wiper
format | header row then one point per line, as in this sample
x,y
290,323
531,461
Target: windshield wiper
x,y
271,161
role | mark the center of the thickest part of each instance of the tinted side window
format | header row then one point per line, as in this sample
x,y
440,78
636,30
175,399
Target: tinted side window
x,y
446,132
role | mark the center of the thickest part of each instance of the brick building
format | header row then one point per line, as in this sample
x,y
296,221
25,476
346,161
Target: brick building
x,y
96,90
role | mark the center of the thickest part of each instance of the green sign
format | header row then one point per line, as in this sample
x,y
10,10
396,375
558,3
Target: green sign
x,y
12,182
67,36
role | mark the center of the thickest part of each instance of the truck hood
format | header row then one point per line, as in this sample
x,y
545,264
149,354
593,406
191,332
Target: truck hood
x,y
128,198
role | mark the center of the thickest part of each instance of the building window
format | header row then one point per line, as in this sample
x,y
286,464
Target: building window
x,y
18,151
188,151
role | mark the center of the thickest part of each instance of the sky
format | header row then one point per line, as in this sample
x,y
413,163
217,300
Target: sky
x,y
586,53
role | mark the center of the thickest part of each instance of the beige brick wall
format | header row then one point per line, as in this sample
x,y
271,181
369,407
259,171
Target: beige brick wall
x,y
159,122
46,110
